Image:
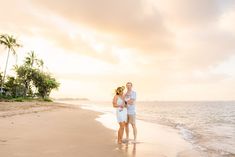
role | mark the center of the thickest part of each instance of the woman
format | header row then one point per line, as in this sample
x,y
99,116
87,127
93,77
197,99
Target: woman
x,y
119,103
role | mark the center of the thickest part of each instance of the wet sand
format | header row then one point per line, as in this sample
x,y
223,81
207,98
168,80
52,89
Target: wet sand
x,y
153,140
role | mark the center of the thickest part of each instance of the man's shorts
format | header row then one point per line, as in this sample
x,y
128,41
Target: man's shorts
x,y
131,118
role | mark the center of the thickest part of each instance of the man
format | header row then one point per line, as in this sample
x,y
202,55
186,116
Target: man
x,y
130,98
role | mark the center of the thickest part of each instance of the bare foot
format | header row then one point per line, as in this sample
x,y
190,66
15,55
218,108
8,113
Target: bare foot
x,y
134,141
125,140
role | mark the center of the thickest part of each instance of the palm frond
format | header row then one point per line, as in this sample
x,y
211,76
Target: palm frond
x,y
10,42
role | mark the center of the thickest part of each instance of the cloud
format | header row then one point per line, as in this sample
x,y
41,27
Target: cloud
x,y
18,17
28,21
191,13
128,21
154,26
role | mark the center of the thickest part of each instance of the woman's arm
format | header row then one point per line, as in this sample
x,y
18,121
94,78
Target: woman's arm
x,y
115,101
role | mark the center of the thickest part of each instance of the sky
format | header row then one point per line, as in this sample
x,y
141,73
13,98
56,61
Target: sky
x,y
170,50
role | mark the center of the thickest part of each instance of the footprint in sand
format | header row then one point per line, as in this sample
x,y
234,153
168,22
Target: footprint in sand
x,y
3,140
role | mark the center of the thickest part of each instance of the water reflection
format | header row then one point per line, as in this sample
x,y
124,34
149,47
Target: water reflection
x,y
128,148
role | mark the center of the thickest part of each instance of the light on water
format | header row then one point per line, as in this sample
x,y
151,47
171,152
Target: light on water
x,y
208,126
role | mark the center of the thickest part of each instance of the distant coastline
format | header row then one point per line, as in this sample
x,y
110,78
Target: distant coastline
x,y
66,99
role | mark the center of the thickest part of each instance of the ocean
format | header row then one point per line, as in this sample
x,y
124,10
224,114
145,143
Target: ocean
x,y
208,126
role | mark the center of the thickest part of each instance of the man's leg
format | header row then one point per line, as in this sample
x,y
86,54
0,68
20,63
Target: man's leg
x,y
132,120
127,128
134,131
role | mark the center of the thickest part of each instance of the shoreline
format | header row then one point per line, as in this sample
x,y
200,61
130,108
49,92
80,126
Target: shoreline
x,y
153,140
60,129
215,144
147,140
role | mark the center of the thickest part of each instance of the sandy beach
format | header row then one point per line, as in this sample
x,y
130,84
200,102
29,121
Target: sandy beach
x,y
51,129
35,129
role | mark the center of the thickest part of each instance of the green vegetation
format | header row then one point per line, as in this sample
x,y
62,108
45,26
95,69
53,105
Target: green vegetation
x,y
30,82
10,43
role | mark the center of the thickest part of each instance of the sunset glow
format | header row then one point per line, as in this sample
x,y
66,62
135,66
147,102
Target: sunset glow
x,y
170,50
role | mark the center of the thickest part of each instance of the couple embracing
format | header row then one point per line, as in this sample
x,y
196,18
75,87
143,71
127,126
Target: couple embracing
x,y
126,114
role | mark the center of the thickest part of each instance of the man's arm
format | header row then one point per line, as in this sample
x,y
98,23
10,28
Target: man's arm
x,y
132,100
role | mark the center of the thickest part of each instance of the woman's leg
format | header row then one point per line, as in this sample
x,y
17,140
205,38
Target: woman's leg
x,y
127,130
120,131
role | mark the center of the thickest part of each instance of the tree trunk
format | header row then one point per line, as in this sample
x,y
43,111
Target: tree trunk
x,y
4,75
26,89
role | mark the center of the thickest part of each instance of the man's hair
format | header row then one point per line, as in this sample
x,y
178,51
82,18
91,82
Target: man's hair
x,y
129,83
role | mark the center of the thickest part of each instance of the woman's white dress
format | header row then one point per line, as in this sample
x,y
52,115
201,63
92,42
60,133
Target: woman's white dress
x,y
121,112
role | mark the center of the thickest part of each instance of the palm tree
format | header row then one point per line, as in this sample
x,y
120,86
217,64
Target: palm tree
x,y
40,63
10,43
31,64
32,59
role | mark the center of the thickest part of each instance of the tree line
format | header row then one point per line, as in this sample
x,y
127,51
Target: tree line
x,y
30,79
